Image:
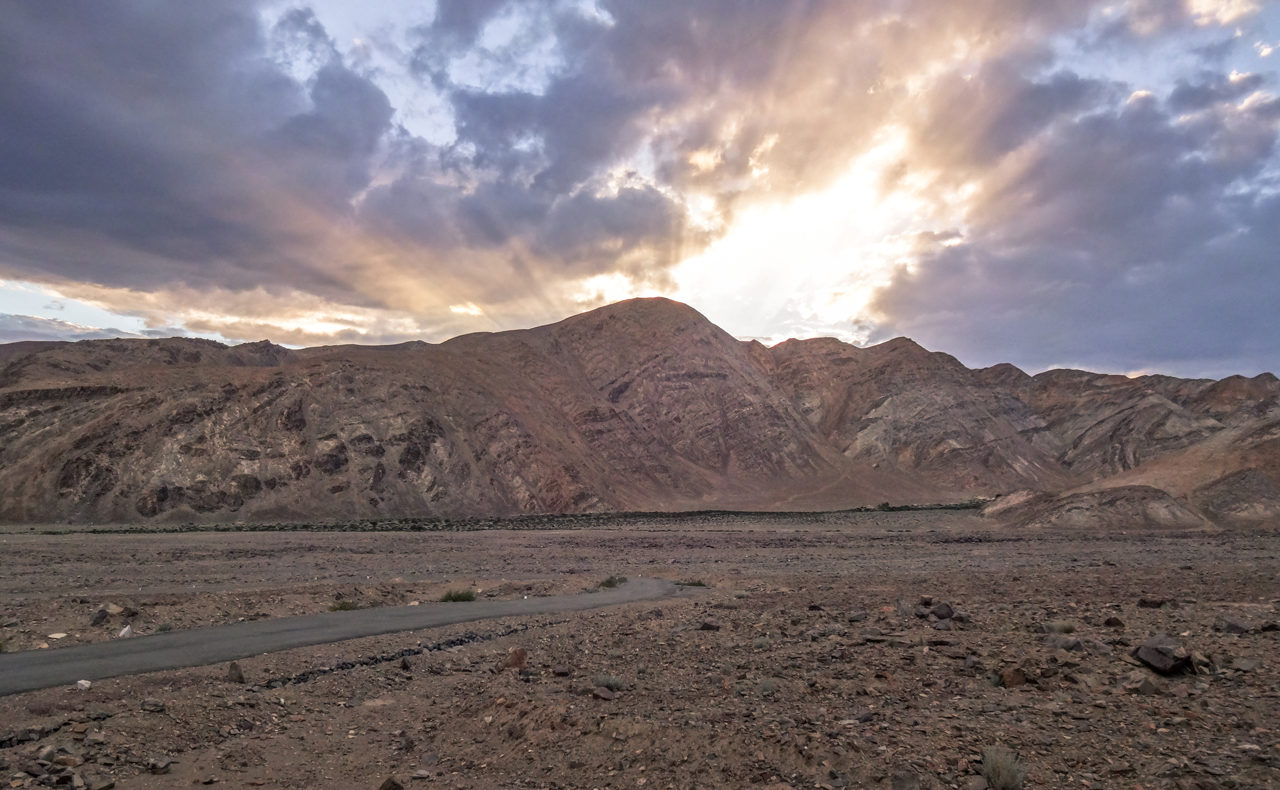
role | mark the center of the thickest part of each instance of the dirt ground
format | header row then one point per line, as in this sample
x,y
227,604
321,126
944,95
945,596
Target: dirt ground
x,y
815,655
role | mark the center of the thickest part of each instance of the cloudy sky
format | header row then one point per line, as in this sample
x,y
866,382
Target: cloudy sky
x,y
1046,182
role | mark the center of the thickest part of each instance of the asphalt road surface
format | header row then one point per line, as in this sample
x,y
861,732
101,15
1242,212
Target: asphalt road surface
x,y
37,669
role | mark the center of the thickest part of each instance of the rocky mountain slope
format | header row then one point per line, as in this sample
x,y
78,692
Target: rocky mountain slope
x,y
642,405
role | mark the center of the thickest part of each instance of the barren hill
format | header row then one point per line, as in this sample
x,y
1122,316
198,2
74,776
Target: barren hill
x,y
642,405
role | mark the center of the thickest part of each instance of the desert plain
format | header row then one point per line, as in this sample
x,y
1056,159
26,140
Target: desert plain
x,y
845,649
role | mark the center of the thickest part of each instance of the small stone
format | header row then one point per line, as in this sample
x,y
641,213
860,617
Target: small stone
x,y
942,611
58,635
153,705
83,685
160,766
1063,642
600,692
858,617
234,673
517,658
1113,622
1246,664
1269,627
561,671
113,609
942,625
1231,625
99,617
421,773
391,784
926,600
405,665
125,632
709,624
1152,603
906,781
1013,676
1139,682
1163,654
976,783
960,617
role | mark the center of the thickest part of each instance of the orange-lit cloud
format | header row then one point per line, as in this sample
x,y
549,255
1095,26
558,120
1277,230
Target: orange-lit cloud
x,y
961,171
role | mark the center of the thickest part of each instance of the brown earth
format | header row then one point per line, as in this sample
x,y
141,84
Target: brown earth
x,y
809,660
642,405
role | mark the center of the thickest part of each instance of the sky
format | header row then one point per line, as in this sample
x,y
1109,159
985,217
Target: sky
x,y
1052,183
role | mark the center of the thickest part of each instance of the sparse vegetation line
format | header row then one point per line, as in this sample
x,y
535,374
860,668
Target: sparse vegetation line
x,y
538,521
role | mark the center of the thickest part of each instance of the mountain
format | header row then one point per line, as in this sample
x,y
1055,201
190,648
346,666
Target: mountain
x,y
641,405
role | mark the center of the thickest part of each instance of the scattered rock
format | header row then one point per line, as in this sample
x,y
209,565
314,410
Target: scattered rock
x,y
1139,682
405,664
1011,677
942,611
113,609
58,635
153,705
1231,625
125,632
1269,627
600,692
234,673
561,671
1113,622
1064,642
942,625
83,685
1152,603
1163,654
976,783
1246,664
906,781
99,617
858,616
391,784
517,658
709,624
160,765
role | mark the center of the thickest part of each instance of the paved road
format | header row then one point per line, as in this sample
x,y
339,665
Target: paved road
x,y
37,669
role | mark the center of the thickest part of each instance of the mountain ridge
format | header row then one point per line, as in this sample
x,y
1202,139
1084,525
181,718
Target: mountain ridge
x,y
640,405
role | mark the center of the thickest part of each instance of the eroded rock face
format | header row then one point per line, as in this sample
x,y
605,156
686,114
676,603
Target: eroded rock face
x,y
642,405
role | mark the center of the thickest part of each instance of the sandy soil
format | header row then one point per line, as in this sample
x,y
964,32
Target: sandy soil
x,y
808,660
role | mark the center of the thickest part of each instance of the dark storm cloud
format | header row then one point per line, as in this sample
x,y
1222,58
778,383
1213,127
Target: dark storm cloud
x,y
1120,239
152,144
166,150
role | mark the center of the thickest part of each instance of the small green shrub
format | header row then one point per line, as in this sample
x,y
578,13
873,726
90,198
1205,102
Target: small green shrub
x,y
164,627
1059,627
608,681
1002,769
613,581
456,596
768,687
693,583
761,643
344,606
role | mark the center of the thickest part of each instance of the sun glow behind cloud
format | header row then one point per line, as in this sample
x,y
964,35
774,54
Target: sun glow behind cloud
x,y
819,256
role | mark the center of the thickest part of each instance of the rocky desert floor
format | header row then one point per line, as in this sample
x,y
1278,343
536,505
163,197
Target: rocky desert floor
x,y
833,650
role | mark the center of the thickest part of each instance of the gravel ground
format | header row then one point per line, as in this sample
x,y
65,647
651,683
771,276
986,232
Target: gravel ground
x,y
816,655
